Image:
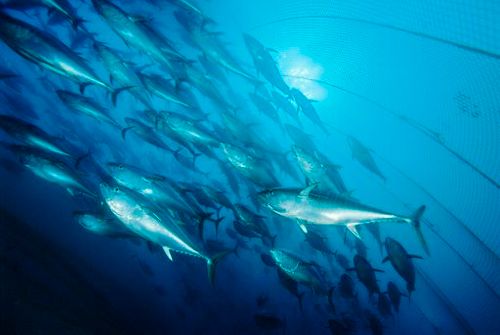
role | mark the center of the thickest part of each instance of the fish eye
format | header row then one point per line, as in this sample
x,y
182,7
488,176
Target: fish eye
x,y
117,189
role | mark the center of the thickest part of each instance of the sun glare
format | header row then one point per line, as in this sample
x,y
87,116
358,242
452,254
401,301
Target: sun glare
x,y
298,71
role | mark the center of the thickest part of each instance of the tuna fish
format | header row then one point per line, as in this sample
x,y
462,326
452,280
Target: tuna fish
x,y
102,225
150,223
299,270
31,135
51,169
47,52
310,208
366,274
394,294
86,106
363,155
401,261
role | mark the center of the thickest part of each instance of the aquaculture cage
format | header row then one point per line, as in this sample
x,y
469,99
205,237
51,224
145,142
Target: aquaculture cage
x,y
249,167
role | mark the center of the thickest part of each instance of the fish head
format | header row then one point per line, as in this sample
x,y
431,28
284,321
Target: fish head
x,y
229,150
116,197
104,7
65,96
392,246
252,44
277,255
13,30
185,19
297,151
279,201
88,221
359,261
115,168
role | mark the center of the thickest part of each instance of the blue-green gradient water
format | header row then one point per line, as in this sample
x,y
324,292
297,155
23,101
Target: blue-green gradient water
x,y
415,82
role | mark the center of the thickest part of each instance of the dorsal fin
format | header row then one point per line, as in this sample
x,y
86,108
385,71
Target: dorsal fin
x,y
305,192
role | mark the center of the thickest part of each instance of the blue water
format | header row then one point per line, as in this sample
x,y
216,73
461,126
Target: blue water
x,y
415,82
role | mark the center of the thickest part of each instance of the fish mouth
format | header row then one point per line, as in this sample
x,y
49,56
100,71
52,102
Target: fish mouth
x,y
262,197
274,254
107,188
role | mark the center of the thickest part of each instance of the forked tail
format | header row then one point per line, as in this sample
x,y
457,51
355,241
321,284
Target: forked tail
x,y
415,218
212,263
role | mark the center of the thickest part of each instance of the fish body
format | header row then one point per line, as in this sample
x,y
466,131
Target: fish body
x,y
366,274
346,286
31,135
101,225
265,64
297,269
152,186
394,295
384,305
291,286
128,28
121,74
401,261
189,129
248,165
306,107
86,106
165,90
312,208
152,224
50,169
46,51
146,133
61,7
364,156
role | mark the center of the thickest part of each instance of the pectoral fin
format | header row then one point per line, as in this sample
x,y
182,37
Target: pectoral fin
x,y
167,252
353,230
302,226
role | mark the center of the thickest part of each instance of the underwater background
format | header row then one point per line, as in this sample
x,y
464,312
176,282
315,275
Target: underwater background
x,y
395,103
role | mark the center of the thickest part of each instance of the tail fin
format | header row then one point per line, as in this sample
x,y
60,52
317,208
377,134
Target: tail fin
x,y
415,218
217,224
212,263
82,87
80,158
114,93
125,130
